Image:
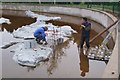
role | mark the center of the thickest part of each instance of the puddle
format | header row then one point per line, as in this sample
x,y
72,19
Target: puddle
x,y
66,62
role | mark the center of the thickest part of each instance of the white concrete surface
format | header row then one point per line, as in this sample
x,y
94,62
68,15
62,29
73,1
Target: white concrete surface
x,y
4,20
119,47
0,58
119,52
99,16
111,70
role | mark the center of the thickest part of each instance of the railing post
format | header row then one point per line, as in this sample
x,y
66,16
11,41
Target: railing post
x,y
103,6
118,6
113,7
39,1
87,4
54,1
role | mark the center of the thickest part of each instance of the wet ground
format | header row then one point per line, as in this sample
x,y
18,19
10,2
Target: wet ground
x,y
66,62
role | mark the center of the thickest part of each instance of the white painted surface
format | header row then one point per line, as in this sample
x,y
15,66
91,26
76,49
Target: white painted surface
x,y
111,70
4,20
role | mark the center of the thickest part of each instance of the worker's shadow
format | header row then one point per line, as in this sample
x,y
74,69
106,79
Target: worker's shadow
x,y
84,63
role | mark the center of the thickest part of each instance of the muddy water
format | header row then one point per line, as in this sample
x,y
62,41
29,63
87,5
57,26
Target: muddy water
x,y
66,62
16,22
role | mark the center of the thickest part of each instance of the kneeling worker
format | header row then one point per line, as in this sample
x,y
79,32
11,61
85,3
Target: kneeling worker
x,y
40,35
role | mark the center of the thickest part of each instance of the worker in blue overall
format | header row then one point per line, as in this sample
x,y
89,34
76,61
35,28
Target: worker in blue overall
x,y
40,35
85,33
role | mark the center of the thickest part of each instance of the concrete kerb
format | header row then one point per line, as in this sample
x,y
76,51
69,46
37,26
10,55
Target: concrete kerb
x,y
112,68
119,47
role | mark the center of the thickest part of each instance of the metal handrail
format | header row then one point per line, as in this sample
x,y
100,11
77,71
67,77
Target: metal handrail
x,y
102,32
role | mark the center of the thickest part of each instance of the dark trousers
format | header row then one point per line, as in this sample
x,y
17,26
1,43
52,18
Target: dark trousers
x,y
39,37
84,39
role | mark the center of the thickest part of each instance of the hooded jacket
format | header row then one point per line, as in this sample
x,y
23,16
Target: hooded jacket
x,y
86,29
40,31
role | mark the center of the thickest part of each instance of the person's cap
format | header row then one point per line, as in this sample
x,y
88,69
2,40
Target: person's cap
x,y
46,28
85,18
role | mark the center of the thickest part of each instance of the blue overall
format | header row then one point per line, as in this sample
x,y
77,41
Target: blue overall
x,y
85,34
40,34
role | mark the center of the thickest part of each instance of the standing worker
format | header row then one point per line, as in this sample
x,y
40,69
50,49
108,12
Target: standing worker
x,y
85,34
40,35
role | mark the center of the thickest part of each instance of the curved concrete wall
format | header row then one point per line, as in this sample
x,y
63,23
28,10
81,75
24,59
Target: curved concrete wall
x,y
101,17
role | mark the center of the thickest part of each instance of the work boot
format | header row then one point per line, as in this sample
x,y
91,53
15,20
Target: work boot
x,y
40,42
37,40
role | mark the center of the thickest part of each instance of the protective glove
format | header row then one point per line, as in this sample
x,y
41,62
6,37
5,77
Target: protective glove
x,y
45,43
83,26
